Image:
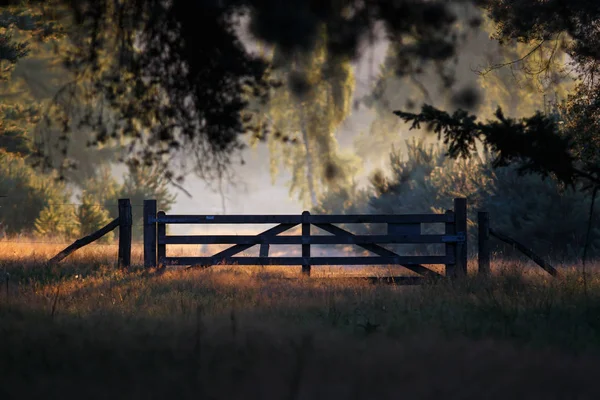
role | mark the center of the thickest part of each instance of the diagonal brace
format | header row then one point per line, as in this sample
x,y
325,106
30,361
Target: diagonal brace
x,y
381,251
238,248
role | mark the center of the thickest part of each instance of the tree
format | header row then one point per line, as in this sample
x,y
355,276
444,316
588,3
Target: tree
x,y
303,117
139,184
32,97
28,194
22,31
177,91
539,143
92,216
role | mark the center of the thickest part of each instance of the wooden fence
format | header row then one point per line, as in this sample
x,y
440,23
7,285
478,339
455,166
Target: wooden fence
x,y
404,229
401,229
484,234
123,222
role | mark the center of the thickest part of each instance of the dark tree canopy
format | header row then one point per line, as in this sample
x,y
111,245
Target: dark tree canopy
x,y
565,144
178,76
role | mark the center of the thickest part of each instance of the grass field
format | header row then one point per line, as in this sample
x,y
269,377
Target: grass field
x,y
84,329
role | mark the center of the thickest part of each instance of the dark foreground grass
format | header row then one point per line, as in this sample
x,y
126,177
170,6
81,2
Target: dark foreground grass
x,y
88,331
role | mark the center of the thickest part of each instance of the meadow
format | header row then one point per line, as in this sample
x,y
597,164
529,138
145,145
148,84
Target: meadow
x,y
85,329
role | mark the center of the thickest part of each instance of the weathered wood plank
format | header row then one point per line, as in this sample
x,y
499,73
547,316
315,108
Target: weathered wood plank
x,y
264,250
306,245
409,261
161,232
483,255
522,248
450,229
460,213
149,234
125,221
79,243
297,219
313,239
381,251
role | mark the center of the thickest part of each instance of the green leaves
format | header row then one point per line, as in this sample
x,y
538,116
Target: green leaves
x,y
92,216
534,143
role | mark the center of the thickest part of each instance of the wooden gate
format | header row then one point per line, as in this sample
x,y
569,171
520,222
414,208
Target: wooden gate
x,y
403,229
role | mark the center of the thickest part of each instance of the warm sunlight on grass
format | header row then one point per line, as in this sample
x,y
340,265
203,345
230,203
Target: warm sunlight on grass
x,y
84,328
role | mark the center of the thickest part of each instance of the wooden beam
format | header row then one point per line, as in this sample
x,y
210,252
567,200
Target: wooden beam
x,y
149,234
306,245
238,248
460,214
409,262
313,239
297,219
125,222
161,232
264,250
79,243
382,251
450,229
537,259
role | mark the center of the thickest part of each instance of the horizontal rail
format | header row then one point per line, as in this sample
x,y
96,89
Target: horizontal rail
x,y
390,280
297,219
334,239
407,260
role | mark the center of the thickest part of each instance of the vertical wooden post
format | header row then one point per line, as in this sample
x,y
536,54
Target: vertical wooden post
x,y
161,232
149,233
264,250
451,247
483,223
125,219
306,246
460,213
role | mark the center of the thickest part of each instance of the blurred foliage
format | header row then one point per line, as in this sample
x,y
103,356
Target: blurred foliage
x,y
57,221
139,184
301,119
542,214
28,194
190,99
559,144
39,99
92,216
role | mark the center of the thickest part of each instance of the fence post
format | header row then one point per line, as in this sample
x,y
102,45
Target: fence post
x,y
125,219
264,250
305,246
161,232
460,213
150,233
451,246
483,223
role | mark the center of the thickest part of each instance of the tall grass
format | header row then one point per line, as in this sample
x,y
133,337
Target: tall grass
x,y
86,329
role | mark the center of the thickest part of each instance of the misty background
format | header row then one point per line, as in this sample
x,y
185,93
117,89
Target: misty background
x,y
336,147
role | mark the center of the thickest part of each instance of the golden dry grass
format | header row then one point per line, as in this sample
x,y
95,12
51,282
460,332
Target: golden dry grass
x,y
86,329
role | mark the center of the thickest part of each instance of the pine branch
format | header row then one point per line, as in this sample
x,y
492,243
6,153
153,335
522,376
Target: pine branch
x,y
534,142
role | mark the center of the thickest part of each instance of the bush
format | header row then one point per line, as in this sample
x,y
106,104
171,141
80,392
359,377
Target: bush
x,y
542,214
140,184
31,197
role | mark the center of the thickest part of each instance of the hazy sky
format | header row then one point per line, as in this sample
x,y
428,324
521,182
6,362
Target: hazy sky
x,y
254,193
